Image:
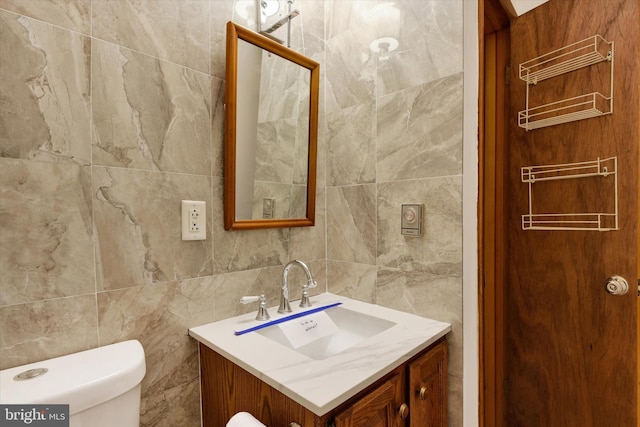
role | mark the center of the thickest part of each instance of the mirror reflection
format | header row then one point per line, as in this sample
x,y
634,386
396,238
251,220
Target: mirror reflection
x,y
271,131
272,148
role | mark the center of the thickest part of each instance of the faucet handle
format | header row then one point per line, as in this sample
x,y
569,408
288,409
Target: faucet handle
x,y
249,299
263,314
305,301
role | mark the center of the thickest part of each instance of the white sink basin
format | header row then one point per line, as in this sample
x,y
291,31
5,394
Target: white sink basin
x,y
327,373
353,328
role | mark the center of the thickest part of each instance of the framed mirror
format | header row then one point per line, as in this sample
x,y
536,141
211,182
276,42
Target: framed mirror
x,y
271,130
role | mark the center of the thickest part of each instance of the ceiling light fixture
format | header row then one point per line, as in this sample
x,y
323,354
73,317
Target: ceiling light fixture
x,y
383,47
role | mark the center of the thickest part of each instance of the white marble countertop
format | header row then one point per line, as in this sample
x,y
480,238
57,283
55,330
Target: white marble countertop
x,y
322,385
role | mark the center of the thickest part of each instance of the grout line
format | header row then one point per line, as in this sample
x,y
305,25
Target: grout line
x,y
94,240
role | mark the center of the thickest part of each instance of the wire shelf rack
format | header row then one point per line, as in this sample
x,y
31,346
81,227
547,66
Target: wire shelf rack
x,y
595,221
587,52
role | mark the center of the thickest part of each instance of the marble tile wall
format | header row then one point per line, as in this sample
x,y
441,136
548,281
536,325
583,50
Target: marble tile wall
x,y
394,136
112,112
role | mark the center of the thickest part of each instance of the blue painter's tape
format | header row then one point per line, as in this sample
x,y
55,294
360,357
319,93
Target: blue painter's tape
x,y
284,319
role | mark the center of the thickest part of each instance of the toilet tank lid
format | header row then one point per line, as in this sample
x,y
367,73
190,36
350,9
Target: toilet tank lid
x,y
82,380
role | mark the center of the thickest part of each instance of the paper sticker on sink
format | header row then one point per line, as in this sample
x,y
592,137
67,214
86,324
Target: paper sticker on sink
x,y
307,329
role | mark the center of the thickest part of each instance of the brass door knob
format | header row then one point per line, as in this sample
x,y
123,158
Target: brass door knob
x,y
404,411
423,393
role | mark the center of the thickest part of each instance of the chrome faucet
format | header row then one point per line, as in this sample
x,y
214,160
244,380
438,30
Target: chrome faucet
x,y
284,291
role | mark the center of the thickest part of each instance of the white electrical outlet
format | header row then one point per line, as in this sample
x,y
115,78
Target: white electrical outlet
x,y
194,220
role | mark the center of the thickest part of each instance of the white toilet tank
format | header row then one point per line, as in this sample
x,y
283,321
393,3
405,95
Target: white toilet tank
x,y
101,386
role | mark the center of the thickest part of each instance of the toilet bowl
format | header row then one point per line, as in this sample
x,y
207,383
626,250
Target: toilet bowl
x,y
101,386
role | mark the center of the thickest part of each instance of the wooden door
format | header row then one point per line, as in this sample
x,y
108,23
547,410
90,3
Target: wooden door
x,y
571,349
428,388
378,408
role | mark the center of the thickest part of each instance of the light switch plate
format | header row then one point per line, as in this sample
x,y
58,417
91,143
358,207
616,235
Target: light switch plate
x,y
194,220
268,208
411,220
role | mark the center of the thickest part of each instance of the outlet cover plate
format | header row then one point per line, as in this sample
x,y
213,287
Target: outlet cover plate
x,y
194,220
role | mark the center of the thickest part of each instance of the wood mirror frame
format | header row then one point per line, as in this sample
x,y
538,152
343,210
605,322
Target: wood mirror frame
x,y
234,34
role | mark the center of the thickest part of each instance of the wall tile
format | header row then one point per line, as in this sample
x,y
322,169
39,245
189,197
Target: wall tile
x,y
149,114
420,131
174,30
429,34
350,65
429,295
71,14
177,406
221,13
351,145
321,167
312,25
357,281
425,271
47,233
230,287
351,223
45,91
46,329
455,402
345,17
309,243
159,317
217,126
138,227
414,99
244,250
439,248
349,79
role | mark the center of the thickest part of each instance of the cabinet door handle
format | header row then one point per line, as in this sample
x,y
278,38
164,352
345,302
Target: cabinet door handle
x,y
403,411
423,393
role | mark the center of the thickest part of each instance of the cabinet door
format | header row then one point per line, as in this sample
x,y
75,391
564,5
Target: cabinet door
x,y
428,388
380,408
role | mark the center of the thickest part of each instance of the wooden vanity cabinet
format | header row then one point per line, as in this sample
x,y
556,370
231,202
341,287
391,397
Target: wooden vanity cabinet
x,y
412,395
422,403
428,388
379,408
